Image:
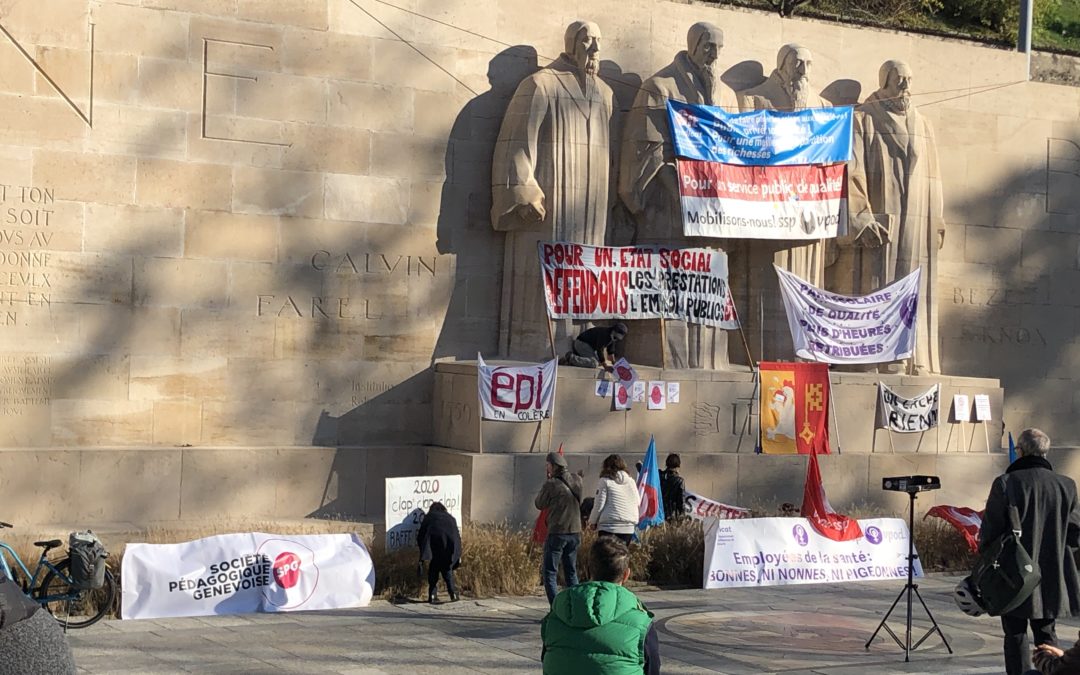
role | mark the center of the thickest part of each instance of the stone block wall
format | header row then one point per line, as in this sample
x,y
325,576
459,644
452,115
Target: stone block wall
x,y
251,223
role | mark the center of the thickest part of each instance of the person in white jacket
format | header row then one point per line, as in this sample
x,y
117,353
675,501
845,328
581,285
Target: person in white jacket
x,y
615,511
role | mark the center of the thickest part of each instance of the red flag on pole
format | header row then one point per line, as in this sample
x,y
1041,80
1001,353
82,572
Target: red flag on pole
x,y
968,521
540,529
819,512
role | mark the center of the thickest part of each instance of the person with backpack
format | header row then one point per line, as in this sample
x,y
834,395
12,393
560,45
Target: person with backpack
x,y
561,496
30,639
600,626
673,489
439,540
1049,517
615,511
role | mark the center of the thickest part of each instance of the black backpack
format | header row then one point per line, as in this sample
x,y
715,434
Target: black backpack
x,y
87,555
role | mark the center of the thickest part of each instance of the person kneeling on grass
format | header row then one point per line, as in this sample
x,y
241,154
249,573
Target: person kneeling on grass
x,y
599,627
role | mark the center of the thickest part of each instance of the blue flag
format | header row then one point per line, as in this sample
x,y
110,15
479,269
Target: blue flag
x,y
1012,449
651,501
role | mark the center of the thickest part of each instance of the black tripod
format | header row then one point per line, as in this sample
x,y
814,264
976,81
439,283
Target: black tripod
x,y
909,589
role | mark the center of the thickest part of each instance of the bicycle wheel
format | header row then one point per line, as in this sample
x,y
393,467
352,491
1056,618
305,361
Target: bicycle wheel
x,y
72,607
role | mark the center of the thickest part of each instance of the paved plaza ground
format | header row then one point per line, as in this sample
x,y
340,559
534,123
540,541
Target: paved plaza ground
x,y
790,629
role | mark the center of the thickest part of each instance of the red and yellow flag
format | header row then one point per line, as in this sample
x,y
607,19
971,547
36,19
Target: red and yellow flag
x,y
794,408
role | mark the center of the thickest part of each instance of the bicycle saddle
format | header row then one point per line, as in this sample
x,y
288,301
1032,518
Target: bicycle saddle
x,y
52,543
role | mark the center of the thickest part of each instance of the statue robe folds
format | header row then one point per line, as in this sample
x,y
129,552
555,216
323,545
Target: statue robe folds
x,y
901,188
553,146
646,149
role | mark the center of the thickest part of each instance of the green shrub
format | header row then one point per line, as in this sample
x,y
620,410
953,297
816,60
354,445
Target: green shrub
x,y
1002,16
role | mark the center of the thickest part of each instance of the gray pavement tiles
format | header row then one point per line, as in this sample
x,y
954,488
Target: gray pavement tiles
x,y
794,630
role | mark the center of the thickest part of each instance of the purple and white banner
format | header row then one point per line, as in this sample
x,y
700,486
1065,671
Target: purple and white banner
x,y
832,328
781,551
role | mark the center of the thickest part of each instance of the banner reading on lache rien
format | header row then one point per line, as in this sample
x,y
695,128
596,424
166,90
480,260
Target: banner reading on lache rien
x,y
763,202
637,282
781,551
908,415
761,137
516,393
243,573
832,328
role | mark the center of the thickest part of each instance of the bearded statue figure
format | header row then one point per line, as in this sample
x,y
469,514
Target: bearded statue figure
x,y
550,182
895,206
649,185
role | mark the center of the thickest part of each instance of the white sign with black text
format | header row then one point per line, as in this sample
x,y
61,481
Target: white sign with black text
x,y
408,499
908,415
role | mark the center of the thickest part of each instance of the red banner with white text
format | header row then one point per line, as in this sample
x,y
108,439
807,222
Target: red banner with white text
x,y
763,202
637,282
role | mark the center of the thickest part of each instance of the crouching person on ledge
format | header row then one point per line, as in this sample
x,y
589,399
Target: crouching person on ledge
x,y
599,627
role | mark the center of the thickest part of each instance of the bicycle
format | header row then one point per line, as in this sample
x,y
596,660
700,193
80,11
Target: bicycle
x,y
72,606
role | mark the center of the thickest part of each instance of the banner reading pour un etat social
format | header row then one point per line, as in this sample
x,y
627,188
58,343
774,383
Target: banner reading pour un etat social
x,y
908,415
243,573
781,551
637,282
832,328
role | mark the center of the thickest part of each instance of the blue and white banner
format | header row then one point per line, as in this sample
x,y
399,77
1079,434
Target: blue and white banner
x,y
833,328
762,137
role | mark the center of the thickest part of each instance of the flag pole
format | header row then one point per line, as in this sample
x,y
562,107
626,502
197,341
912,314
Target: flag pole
x,y
836,420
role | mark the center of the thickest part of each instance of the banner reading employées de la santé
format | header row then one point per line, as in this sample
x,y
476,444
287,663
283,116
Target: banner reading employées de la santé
x,y
761,137
637,282
780,551
244,573
908,415
516,393
832,328
763,202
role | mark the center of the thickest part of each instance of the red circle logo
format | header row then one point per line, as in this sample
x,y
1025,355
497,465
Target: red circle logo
x,y
624,373
287,569
622,395
657,396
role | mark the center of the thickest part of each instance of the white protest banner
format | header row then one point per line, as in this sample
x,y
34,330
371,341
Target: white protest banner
x,y
245,573
908,415
781,551
637,282
961,408
703,508
762,202
516,393
408,499
982,408
625,373
622,397
638,392
831,328
673,389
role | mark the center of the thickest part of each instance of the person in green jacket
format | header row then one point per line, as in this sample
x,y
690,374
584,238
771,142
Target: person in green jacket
x,y
599,627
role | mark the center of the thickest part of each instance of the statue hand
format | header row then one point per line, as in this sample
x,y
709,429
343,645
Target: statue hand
x,y
532,212
874,235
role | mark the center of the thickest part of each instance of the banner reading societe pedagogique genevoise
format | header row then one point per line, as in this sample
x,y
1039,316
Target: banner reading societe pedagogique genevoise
x,y
243,573
780,551
637,282
833,328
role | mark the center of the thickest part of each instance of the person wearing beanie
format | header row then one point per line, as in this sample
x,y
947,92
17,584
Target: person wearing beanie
x,y
600,346
561,497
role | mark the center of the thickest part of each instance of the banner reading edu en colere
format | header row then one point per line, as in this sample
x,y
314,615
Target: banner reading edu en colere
x,y
761,137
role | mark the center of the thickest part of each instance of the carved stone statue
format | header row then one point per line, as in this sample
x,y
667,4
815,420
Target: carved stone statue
x,y
895,202
550,181
788,88
649,186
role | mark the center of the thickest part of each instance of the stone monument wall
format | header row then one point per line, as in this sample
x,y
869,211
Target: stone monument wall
x,y
252,223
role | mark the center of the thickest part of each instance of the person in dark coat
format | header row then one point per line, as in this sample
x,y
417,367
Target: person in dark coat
x,y
30,639
1050,532
440,543
673,488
